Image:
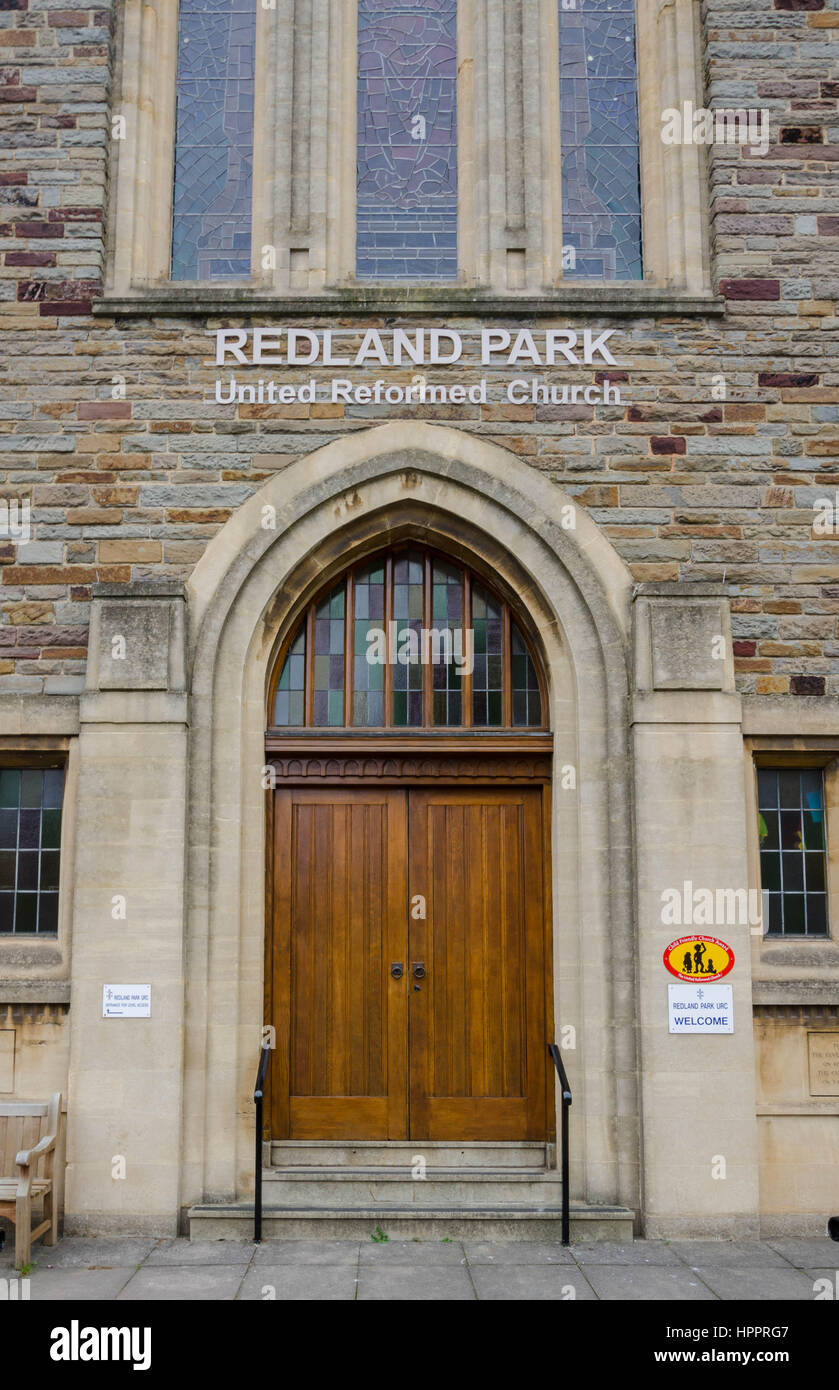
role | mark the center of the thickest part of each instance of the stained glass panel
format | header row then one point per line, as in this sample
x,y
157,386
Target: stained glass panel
x,y
328,702
447,618
527,702
211,225
406,226
487,676
30,840
601,201
408,573
289,705
368,674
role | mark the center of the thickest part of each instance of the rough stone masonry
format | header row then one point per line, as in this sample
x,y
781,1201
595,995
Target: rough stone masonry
x,y
726,436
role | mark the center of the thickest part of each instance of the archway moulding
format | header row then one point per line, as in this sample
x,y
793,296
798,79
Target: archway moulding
x,y
337,470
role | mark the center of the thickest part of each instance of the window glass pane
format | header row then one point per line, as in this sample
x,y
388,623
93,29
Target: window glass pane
x,y
792,850
601,199
369,646
406,211
288,703
446,642
328,703
487,675
211,225
527,702
28,865
408,572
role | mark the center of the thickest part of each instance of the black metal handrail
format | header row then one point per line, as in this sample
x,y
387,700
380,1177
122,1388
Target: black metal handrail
x,y
259,1091
566,1104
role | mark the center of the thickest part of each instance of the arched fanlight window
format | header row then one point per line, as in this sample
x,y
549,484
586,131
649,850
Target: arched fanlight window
x,y
409,639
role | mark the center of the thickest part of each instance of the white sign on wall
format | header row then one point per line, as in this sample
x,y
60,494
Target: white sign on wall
x,y
126,1001
701,1009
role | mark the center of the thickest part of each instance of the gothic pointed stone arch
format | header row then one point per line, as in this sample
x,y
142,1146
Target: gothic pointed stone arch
x,y
479,499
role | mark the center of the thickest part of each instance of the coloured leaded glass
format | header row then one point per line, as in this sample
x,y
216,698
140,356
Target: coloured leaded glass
x,y
792,850
328,701
601,198
447,618
406,209
488,674
211,225
30,846
408,574
289,704
527,701
369,619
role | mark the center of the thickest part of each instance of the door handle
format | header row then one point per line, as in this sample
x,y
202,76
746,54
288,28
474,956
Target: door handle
x,y
418,970
397,970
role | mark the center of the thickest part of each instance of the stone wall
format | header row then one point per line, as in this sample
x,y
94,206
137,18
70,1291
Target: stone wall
x,y
685,484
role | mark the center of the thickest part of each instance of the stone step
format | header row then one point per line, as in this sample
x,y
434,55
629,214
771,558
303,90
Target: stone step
x,y
512,1221
350,1188
320,1153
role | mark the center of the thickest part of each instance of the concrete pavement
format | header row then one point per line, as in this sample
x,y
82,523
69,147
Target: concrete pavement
x,y
165,1270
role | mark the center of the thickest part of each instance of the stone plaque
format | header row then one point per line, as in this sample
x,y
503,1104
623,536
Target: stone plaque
x,y
684,637
823,1049
134,646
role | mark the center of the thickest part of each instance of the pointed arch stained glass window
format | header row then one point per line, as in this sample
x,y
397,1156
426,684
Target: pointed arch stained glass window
x,y
409,639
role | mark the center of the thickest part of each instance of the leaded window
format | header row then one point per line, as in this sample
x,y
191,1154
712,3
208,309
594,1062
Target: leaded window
x,y
793,868
408,639
598,101
406,197
211,227
30,849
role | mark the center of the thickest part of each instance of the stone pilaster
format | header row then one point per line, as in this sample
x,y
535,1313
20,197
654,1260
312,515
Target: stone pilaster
x,y
125,1080
699,1128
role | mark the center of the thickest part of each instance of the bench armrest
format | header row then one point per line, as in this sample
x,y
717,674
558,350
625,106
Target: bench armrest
x,y
25,1156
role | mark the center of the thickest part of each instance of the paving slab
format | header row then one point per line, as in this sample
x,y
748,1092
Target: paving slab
x,y
750,1284
201,1252
805,1253
634,1252
443,1283
638,1283
306,1252
517,1252
530,1283
409,1252
169,1283
297,1283
86,1285
107,1252
742,1254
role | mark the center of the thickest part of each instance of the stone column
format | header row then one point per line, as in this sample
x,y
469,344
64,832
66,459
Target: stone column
x,y
700,1175
125,1082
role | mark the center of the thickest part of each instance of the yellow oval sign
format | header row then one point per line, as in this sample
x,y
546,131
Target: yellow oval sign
x,y
698,958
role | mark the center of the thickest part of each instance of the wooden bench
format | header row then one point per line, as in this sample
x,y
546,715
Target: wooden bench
x,y
29,1132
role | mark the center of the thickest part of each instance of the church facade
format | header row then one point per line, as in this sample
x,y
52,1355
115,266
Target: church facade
x,y
419,433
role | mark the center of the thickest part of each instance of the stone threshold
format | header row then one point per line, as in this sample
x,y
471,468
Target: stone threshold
x,y
606,301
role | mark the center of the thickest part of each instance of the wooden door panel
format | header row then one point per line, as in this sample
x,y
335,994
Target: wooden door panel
x,y
477,1020
340,893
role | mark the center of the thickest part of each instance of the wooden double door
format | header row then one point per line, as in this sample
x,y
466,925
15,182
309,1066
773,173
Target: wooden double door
x,y
408,965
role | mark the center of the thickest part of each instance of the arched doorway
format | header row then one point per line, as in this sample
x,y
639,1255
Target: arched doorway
x,y
408,972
